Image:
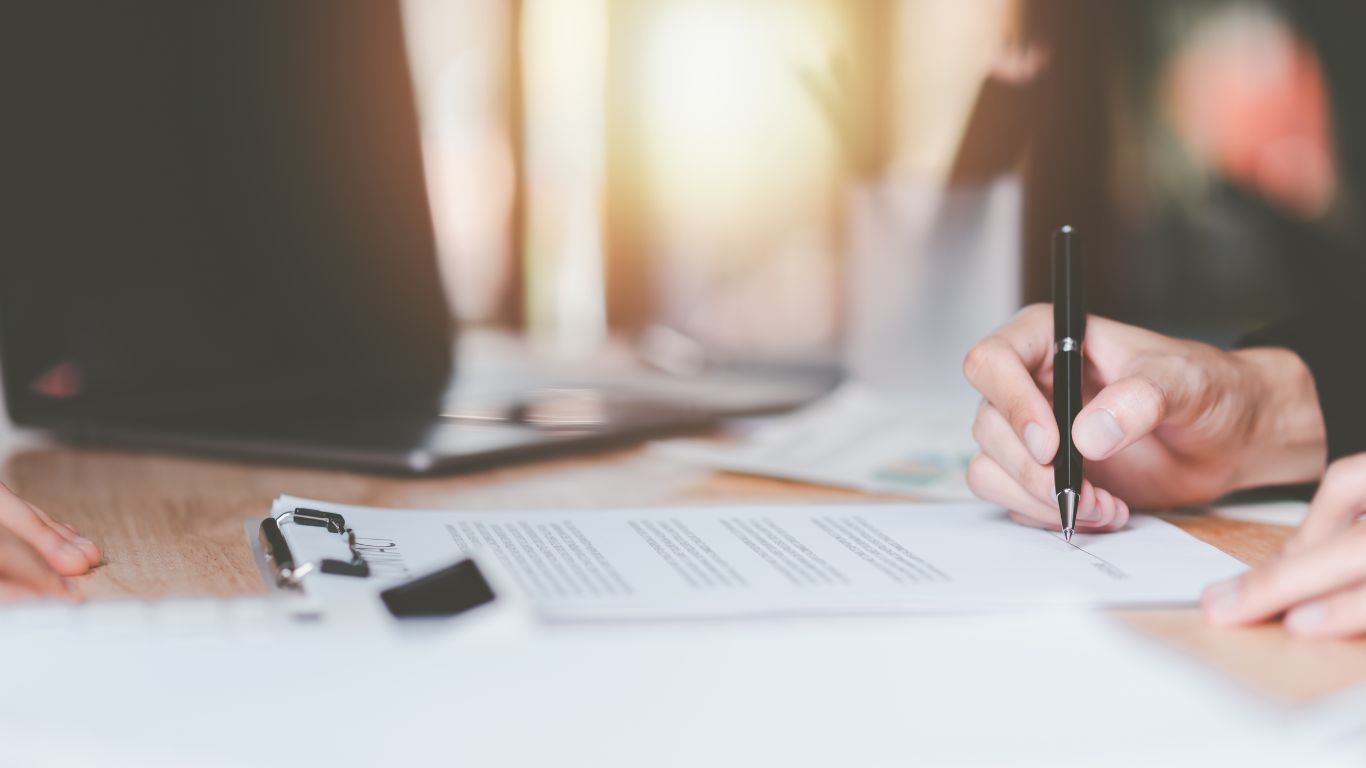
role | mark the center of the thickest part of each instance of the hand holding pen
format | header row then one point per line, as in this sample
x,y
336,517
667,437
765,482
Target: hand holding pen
x,y
1168,422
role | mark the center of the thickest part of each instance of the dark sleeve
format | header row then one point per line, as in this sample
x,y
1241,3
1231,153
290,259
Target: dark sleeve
x,y
1332,343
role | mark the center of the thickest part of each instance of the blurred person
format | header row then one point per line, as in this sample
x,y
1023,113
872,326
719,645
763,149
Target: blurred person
x,y
1171,422
37,552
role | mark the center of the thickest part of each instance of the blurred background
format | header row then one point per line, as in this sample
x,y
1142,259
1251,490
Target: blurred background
x,y
819,182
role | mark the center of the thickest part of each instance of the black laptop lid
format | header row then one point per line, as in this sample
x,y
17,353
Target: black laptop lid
x,y
213,205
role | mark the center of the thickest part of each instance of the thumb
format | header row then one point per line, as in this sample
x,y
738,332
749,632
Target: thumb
x,y
1122,414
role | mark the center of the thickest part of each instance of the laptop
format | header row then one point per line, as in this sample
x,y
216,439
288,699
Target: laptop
x,y
219,241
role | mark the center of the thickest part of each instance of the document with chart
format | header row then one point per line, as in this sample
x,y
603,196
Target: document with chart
x,y
698,562
854,437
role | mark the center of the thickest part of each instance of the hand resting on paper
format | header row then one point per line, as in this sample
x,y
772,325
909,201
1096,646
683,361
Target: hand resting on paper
x,y
1319,578
36,552
1167,422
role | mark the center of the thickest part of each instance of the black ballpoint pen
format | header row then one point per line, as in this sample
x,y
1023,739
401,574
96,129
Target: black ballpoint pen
x,y
1069,329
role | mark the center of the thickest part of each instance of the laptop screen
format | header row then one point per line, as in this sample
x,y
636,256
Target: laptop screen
x,y
213,206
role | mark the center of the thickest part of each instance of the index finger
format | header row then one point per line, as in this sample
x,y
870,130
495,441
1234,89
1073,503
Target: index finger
x,y
1266,591
21,566
1002,367
1340,500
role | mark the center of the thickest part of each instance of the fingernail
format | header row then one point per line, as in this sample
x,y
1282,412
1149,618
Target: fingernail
x,y
1091,515
1306,618
1036,442
1098,434
69,550
1221,600
81,541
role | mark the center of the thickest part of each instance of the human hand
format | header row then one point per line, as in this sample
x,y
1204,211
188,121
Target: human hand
x,y
1167,422
1319,578
36,552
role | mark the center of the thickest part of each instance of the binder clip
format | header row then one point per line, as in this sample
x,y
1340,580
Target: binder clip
x,y
447,592
290,574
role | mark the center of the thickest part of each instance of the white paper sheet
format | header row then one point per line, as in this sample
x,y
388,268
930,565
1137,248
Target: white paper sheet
x,y
857,438
1038,689
1288,514
696,562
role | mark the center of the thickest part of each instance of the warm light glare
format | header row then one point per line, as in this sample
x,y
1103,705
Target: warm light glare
x,y
564,58
458,53
731,138
944,50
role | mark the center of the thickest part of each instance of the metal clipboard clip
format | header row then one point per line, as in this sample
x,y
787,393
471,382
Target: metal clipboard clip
x,y
446,592
288,573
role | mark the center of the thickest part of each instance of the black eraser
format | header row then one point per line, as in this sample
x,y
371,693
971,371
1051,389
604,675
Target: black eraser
x,y
447,592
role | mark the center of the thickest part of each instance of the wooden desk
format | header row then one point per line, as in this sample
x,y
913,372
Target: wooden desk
x,y
173,526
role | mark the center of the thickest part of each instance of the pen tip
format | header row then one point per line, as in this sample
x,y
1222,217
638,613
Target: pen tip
x,y
1067,535
1067,511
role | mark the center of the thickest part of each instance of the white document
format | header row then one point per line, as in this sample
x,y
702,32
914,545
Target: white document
x,y
855,691
856,438
1288,514
752,561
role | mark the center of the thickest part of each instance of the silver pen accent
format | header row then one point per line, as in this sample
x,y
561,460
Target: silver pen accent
x,y
1067,510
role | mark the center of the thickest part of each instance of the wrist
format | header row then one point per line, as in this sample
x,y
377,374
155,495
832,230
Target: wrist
x,y
1287,441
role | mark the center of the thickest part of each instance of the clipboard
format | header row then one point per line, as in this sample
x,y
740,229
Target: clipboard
x,y
450,591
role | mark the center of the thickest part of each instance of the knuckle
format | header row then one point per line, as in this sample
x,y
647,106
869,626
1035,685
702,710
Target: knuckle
x,y
987,427
1297,543
1333,474
979,470
1196,374
1145,396
1344,469
1035,313
1338,613
1019,410
1039,481
1259,585
979,429
1189,368
984,409
1337,482
982,355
